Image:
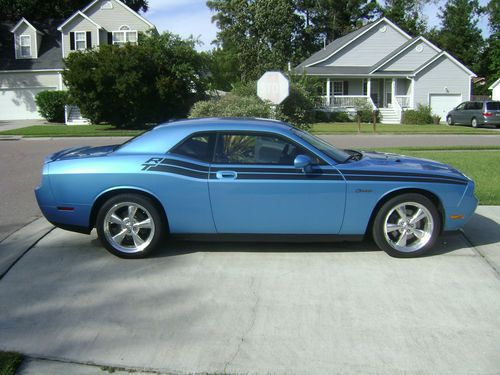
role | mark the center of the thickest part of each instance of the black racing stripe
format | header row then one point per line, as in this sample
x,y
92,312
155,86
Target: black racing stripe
x,y
179,170
390,173
185,164
405,179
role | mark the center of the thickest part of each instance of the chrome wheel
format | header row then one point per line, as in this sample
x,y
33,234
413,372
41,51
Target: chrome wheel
x,y
474,123
129,227
408,227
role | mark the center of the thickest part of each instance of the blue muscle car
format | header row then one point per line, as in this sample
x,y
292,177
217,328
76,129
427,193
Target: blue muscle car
x,y
248,178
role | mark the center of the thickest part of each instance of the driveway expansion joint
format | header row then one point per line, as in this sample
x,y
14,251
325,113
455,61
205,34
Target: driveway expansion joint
x,y
481,255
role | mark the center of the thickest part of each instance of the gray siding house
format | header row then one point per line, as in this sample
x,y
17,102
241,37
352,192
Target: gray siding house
x,y
31,58
381,64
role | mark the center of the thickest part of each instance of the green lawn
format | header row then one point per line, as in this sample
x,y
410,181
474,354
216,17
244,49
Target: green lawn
x,y
72,131
9,362
320,128
352,128
480,165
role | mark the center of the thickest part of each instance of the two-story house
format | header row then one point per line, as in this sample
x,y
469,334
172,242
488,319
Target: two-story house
x,y
392,71
33,59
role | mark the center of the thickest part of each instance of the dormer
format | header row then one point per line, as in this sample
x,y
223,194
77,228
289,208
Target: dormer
x,y
78,33
27,40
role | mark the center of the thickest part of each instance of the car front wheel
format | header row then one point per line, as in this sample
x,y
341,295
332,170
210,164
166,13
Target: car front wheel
x,y
130,226
449,120
406,226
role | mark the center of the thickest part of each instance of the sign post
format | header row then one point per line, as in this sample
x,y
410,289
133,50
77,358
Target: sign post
x,y
273,87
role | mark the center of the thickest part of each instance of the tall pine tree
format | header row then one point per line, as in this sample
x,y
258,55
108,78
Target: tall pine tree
x,y
407,14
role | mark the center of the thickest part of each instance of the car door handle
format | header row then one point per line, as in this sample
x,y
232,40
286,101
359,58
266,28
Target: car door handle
x,y
226,175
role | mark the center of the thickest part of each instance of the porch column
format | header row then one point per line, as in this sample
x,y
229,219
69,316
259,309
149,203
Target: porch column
x,y
369,88
412,88
393,91
328,84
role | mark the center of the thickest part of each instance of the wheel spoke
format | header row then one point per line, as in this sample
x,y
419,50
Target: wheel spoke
x,y
419,215
401,210
419,233
115,220
118,238
131,213
402,239
392,227
143,224
138,241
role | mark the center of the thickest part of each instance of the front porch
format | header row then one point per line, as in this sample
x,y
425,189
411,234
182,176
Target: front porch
x,y
390,95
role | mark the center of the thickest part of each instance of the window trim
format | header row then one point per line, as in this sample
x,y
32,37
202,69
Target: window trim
x,y
124,32
76,40
21,45
333,88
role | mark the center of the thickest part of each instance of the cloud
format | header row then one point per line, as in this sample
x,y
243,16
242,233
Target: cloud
x,y
184,17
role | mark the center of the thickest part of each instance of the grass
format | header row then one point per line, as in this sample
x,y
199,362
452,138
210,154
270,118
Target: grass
x,y
9,362
72,131
352,128
480,165
319,128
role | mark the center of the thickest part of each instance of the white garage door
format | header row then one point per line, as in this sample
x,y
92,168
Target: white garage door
x,y
441,104
19,104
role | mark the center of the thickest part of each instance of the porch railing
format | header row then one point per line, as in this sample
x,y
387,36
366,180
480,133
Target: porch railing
x,y
403,101
345,101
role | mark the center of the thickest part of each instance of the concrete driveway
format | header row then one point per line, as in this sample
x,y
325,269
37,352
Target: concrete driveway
x,y
343,308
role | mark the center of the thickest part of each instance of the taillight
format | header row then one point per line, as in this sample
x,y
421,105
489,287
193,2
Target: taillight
x,y
487,114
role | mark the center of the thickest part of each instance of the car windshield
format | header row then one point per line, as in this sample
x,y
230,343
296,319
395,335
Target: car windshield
x,y
493,106
336,154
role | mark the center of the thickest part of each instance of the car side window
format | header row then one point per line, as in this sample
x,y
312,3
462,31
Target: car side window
x,y
461,106
198,146
257,149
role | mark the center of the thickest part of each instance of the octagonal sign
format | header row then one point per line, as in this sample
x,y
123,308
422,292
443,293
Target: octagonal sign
x,y
274,87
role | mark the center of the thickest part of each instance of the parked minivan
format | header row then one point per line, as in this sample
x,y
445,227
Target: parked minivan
x,y
475,114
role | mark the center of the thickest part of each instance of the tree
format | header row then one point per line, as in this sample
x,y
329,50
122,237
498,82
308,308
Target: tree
x,y
42,10
493,43
223,67
263,34
133,85
459,33
407,14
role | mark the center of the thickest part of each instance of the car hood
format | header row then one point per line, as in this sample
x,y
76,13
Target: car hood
x,y
80,152
388,162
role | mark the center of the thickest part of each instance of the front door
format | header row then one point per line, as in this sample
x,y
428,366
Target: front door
x,y
254,188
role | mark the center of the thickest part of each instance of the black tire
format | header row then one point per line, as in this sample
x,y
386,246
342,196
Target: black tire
x,y
449,120
123,237
388,216
474,123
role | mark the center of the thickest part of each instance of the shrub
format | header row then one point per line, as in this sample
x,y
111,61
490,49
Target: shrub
x,y
422,115
322,116
298,108
231,105
51,105
365,111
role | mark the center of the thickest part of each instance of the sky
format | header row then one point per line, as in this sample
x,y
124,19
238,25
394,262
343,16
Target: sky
x,y
193,18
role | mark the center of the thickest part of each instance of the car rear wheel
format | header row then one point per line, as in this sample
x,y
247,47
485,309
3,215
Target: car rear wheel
x,y
130,226
406,226
449,120
474,123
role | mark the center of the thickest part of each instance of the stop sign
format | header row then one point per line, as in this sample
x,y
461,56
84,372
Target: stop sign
x,y
273,86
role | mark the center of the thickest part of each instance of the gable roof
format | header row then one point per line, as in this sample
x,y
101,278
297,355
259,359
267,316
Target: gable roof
x,y
124,6
446,54
400,50
495,84
78,13
21,21
340,43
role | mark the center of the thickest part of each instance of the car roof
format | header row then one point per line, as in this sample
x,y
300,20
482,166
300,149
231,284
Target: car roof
x,y
224,123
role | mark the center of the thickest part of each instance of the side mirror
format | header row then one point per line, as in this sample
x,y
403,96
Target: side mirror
x,y
303,162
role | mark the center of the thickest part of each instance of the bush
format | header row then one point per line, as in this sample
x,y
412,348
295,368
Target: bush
x,y
51,105
298,108
322,116
365,111
421,116
231,105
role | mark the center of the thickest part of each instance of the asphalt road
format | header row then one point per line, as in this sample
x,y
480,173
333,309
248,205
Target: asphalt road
x,y
21,161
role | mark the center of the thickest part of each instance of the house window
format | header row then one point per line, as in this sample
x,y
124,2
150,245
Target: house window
x,y
25,45
338,88
125,35
80,40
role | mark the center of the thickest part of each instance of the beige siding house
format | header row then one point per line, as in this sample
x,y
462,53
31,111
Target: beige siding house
x,y
33,61
381,64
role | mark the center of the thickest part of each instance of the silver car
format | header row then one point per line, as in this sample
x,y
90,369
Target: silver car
x,y
476,114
